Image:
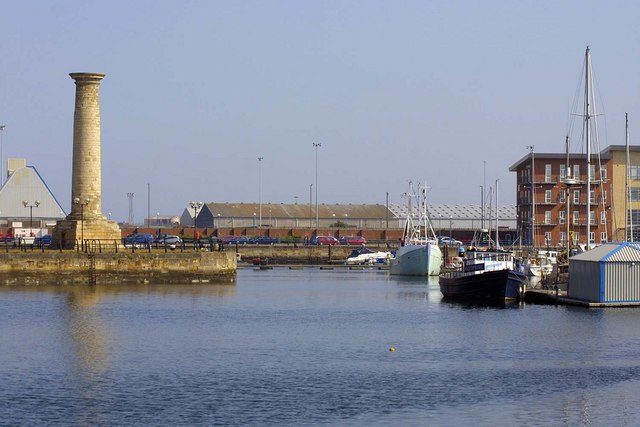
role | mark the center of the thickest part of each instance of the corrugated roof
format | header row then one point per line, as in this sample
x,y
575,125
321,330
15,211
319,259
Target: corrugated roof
x,y
626,252
282,210
611,252
458,213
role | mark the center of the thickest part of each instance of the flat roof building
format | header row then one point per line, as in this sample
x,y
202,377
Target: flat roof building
x,y
551,197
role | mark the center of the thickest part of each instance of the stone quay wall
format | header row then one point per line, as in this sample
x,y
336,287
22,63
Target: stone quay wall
x,y
283,254
50,267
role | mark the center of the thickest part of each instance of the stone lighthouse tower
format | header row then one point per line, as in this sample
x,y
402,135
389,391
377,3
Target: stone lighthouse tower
x,y
86,222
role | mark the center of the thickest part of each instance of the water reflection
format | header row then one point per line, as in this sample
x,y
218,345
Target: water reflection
x,y
88,335
92,294
309,348
472,305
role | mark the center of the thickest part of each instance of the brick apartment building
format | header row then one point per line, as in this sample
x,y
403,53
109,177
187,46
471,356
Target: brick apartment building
x,y
559,210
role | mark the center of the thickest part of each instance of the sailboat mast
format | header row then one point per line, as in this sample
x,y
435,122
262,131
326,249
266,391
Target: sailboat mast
x,y
568,197
533,199
497,241
628,223
587,118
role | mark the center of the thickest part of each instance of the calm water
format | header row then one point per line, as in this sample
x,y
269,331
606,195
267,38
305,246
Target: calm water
x,y
309,347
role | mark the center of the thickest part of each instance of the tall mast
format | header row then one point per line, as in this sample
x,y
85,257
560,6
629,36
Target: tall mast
x,y
533,199
568,182
587,119
497,241
628,223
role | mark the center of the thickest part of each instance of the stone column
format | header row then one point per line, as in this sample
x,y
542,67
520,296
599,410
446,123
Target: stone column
x,y
85,223
86,181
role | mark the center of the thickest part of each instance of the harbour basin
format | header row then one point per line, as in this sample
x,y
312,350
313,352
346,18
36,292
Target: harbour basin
x,y
309,347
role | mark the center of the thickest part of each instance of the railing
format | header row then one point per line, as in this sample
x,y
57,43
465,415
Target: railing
x,y
93,246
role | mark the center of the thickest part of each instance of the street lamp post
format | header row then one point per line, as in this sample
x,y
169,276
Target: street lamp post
x,y
260,190
195,206
76,201
31,206
310,202
450,228
316,146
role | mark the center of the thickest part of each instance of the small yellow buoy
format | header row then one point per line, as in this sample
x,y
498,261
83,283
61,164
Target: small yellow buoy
x,y
392,349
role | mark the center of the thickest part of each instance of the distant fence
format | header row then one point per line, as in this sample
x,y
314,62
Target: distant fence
x,y
109,246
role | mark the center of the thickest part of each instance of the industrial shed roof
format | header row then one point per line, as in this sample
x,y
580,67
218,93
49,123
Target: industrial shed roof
x,y
25,183
283,210
362,211
611,252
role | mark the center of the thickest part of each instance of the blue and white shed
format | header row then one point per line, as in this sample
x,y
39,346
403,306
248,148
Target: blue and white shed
x,y
609,273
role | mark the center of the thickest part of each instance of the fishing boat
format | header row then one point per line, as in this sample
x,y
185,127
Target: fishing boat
x,y
485,276
419,253
366,256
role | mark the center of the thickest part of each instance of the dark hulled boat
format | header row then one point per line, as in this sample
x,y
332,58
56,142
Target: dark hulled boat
x,y
486,276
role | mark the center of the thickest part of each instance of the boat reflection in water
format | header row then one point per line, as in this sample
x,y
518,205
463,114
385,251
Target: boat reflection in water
x,y
473,305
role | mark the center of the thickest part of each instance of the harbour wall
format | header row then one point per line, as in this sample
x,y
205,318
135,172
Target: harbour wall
x,y
314,255
52,267
282,233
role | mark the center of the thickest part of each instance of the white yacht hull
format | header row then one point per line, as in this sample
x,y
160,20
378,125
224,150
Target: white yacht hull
x,y
416,260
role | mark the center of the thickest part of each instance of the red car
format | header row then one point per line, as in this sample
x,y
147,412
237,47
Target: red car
x,y
353,240
324,240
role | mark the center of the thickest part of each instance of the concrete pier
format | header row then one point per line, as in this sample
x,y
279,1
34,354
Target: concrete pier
x,y
68,267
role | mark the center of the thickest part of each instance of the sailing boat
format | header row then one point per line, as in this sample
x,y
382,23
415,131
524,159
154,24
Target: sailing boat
x,y
418,254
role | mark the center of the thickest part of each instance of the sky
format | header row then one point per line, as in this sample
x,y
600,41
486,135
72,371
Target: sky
x,y
444,92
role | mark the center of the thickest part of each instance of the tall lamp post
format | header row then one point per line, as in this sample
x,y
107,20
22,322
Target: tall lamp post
x,y
1,157
310,202
316,146
77,201
260,190
31,206
195,206
450,228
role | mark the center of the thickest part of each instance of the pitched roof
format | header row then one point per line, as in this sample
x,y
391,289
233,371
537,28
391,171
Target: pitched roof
x,y
26,184
611,252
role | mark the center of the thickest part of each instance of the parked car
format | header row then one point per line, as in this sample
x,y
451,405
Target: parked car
x,y
324,240
353,240
43,241
138,240
265,240
159,239
170,241
235,240
446,240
